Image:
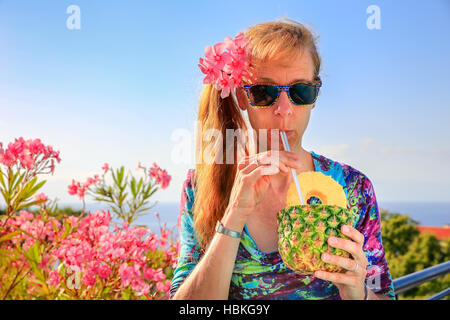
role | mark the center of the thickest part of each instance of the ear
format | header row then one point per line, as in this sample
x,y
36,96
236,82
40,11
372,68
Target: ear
x,y
242,98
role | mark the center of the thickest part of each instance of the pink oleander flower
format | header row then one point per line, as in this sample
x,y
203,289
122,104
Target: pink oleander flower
x,y
89,279
163,286
105,167
7,158
55,278
73,188
40,197
80,189
217,56
237,45
140,286
104,271
226,69
81,192
122,258
155,275
26,160
160,175
207,68
126,273
159,275
29,153
225,84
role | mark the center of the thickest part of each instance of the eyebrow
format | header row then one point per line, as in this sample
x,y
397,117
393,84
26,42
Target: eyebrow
x,y
263,79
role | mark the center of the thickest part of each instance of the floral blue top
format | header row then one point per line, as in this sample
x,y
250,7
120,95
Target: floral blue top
x,y
263,275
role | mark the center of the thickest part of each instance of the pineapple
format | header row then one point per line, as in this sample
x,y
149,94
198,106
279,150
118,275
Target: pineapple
x,y
303,230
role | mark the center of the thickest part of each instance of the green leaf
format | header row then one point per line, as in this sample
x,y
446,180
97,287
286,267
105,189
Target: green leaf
x,y
25,253
103,199
35,252
5,196
37,187
28,190
125,295
143,209
66,229
10,236
133,187
28,204
12,178
19,181
120,177
122,197
2,181
119,213
101,191
141,182
27,233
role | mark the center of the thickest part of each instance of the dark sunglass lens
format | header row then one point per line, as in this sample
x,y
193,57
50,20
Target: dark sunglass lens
x,y
263,95
303,94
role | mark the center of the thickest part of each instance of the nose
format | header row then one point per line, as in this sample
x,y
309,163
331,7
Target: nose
x,y
283,105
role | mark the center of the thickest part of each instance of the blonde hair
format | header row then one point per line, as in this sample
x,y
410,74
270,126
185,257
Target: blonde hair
x,y
213,182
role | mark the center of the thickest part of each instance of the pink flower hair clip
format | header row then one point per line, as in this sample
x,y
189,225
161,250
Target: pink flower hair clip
x,y
226,64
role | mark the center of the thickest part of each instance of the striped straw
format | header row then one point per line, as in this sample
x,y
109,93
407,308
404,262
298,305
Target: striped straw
x,y
284,139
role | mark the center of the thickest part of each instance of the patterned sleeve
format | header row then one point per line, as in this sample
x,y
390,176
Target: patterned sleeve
x,y
190,251
378,278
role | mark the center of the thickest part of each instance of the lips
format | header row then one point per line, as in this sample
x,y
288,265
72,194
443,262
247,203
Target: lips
x,y
282,129
287,131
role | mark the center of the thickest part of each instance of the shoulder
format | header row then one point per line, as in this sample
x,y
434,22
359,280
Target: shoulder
x,y
354,179
357,186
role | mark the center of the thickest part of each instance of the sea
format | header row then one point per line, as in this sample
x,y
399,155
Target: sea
x,y
425,213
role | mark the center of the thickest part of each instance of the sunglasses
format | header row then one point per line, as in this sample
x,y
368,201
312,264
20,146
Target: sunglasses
x,y
266,95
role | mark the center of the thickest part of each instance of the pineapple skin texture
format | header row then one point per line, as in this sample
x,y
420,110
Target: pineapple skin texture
x,y
303,232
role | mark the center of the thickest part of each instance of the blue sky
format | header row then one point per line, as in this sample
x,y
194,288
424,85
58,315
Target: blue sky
x,y
117,89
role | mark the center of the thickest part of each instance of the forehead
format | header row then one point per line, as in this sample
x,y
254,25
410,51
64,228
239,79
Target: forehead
x,y
285,71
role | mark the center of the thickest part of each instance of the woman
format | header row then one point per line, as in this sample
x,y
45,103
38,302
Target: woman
x,y
246,197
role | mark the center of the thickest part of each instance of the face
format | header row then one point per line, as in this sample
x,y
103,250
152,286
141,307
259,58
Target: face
x,y
283,114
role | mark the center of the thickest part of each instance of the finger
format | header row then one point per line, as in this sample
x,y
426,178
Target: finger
x,y
249,168
336,277
261,171
284,160
247,160
242,163
347,245
345,263
267,158
293,164
354,234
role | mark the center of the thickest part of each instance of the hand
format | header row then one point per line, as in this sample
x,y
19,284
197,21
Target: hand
x,y
350,283
253,180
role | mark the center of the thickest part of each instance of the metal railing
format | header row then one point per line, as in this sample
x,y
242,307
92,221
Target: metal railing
x,y
415,279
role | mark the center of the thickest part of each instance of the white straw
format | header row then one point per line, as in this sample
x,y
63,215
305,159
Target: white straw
x,y
284,139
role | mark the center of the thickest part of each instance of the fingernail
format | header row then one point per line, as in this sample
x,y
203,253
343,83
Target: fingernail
x,y
333,240
345,229
325,256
